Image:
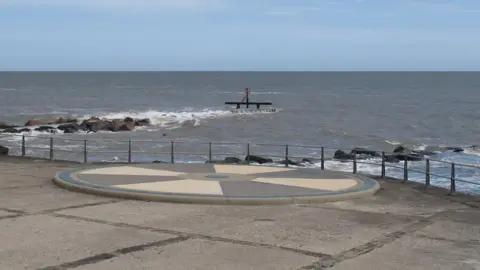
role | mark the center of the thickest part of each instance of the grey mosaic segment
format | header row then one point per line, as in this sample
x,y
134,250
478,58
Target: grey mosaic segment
x,y
303,173
263,189
186,168
110,180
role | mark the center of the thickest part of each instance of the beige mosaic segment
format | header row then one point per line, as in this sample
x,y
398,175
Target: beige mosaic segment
x,y
180,186
129,170
325,184
238,169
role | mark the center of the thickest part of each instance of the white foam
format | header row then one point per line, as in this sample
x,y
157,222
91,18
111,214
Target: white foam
x,y
176,119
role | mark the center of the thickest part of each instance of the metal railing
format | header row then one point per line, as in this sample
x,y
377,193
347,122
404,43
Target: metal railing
x,y
170,150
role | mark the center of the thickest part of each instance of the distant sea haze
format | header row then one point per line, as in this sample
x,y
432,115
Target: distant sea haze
x,y
337,109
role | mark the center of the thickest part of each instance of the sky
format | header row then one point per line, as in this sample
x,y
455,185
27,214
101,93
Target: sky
x,y
239,35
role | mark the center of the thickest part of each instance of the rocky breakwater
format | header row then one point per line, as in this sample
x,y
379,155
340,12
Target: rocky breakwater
x,y
400,153
72,125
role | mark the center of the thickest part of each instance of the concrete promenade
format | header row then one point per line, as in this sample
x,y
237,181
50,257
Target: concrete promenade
x,y
403,226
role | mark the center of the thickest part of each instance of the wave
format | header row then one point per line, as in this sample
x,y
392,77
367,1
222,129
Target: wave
x,y
180,118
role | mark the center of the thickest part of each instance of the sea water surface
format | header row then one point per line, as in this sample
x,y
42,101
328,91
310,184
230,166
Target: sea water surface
x,y
376,110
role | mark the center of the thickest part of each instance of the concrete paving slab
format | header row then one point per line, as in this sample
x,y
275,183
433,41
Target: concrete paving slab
x,y
110,180
39,241
191,168
311,229
205,255
34,199
8,180
454,226
417,254
400,199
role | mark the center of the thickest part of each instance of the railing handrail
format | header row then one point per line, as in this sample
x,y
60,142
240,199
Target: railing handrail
x,y
286,156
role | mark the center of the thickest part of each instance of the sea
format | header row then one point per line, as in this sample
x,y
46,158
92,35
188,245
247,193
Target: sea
x,y
334,110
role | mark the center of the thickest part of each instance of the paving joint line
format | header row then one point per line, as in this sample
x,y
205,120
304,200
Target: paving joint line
x,y
439,238
18,187
368,247
116,253
196,235
77,206
418,216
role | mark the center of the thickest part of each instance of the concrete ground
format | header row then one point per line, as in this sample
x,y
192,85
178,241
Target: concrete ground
x,y
402,227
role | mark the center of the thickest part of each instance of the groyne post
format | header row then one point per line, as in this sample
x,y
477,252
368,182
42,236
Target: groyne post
x,y
23,146
383,164
129,151
405,170
85,154
286,155
322,161
354,161
427,172
51,149
210,151
172,155
452,179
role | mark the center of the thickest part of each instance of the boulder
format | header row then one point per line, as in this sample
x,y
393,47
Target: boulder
x,y
142,122
257,159
232,160
127,126
455,149
339,154
409,157
4,125
363,151
94,126
46,129
33,122
3,150
391,159
68,128
11,130
159,161
306,160
129,120
290,162
400,149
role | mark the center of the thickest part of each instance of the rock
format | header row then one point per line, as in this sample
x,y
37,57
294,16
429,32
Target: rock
x,y
158,161
409,157
391,159
339,154
455,149
68,128
142,122
306,160
128,126
3,150
363,151
232,160
257,159
46,128
24,130
290,162
94,126
400,149
4,125
11,130
32,122
129,120
94,118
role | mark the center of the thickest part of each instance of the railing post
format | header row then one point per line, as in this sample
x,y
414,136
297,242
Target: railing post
x,y
172,155
248,152
383,164
51,149
452,179
129,151
23,146
210,151
286,155
85,154
354,162
405,170
322,161
427,172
